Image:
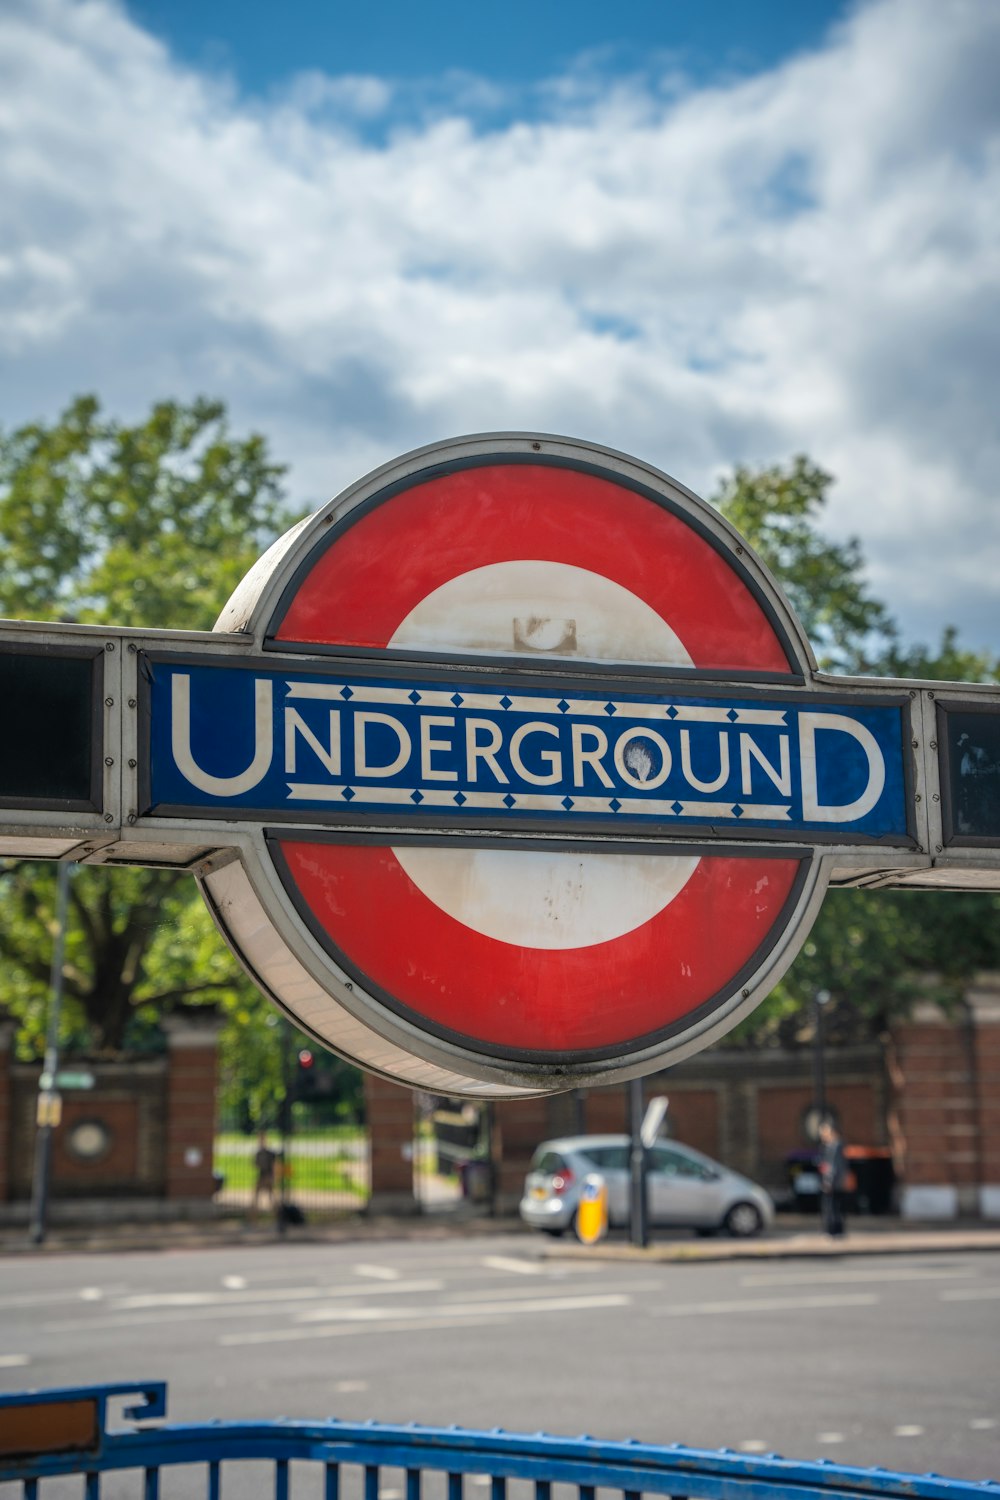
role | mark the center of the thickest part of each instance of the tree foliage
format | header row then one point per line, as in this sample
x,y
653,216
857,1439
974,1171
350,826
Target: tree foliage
x,y
875,951
150,524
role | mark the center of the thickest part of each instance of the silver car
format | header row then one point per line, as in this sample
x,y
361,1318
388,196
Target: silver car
x,y
684,1188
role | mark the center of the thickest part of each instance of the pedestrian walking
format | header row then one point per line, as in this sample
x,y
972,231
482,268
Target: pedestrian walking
x,y
264,1161
832,1178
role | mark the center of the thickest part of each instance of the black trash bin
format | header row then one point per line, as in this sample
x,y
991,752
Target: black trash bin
x,y
874,1179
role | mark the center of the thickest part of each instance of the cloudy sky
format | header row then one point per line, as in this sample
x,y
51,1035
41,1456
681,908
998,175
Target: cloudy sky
x,y
706,235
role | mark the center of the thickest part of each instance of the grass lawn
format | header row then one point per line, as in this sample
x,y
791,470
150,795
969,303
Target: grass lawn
x,y
333,1170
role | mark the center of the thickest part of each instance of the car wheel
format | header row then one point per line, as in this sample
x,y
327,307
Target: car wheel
x,y
743,1220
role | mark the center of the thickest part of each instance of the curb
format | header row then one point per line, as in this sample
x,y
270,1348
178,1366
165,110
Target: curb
x,y
791,1247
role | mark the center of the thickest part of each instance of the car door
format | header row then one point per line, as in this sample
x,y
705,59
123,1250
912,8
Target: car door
x,y
680,1189
612,1163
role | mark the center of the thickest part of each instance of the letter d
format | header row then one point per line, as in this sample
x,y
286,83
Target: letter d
x,y
847,812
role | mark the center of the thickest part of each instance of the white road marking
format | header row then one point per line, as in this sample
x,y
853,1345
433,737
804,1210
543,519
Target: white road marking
x,y
346,1387
341,1331
456,1309
234,1305
472,1294
234,1283
765,1304
982,1424
971,1294
330,1322
41,1299
519,1267
825,1278
908,1429
829,1437
378,1273
91,1294
13,1361
752,1445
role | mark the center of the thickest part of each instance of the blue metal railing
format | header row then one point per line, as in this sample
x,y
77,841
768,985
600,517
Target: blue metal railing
x,y
44,1434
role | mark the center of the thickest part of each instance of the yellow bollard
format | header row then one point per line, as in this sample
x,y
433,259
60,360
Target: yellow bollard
x,y
592,1210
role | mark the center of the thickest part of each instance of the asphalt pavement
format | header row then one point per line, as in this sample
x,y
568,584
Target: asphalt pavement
x,y
868,1358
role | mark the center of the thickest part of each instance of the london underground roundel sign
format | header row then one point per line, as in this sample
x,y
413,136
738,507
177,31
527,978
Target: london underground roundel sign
x,y
527,780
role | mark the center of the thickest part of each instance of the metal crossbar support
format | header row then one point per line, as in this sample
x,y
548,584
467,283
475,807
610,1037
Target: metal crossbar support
x,y
629,1468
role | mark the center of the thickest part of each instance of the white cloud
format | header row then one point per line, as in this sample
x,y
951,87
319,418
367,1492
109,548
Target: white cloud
x,y
805,261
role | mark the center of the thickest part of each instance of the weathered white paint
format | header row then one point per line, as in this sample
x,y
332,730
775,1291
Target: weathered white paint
x,y
536,608
547,900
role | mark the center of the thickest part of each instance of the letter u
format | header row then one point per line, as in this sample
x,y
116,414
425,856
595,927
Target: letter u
x,y
180,741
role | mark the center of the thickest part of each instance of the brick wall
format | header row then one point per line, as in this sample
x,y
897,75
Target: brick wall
x,y
150,1121
127,1105
192,1042
984,1003
389,1111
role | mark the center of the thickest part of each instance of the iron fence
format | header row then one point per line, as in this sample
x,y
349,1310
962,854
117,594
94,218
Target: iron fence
x,y
50,1436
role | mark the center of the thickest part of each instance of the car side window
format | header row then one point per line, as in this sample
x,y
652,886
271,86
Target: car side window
x,y
675,1164
609,1158
550,1162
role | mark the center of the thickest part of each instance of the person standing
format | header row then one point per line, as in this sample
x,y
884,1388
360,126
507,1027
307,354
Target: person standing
x,y
832,1178
265,1161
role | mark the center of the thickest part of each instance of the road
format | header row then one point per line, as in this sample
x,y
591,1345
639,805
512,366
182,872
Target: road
x,y
875,1360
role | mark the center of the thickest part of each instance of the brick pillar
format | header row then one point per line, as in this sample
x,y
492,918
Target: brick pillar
x,y
389,1109
7,1029
983,998
935,1105
192,1043
519,1126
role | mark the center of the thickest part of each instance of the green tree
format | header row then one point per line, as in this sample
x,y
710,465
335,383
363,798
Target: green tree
x,y
147,524
778,510
873,950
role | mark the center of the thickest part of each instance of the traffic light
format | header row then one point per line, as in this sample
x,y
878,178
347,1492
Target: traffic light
x,y
305,1074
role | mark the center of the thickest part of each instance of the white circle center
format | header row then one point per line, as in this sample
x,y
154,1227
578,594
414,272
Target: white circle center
x,y
531,608
533,898
540,900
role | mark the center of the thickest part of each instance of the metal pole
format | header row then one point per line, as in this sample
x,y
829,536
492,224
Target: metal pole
x,y
821,1000
638,1218
284,1161
47,1114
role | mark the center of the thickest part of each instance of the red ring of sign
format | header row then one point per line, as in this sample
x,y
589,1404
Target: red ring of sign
x,y
388,559
354,590
617,995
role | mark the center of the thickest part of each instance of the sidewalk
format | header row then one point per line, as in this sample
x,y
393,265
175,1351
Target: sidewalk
x,y
793,1237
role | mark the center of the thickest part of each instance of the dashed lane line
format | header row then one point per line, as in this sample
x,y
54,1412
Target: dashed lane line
x,y
518,1267
14,1361
404,1319
353,1330
76,1294
765,1304
466,1308
378,1273
235,1307
970,1294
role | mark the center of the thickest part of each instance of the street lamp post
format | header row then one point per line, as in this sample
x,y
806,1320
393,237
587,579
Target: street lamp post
x,y
638,1216
48,1110
821,1000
